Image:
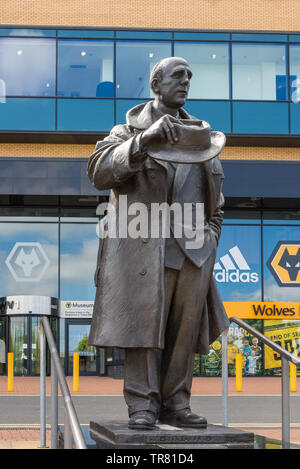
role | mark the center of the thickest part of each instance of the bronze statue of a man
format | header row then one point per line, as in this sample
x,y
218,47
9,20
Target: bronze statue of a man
x,y
156,298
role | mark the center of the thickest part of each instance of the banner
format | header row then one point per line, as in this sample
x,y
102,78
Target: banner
x,y
285,334
262,310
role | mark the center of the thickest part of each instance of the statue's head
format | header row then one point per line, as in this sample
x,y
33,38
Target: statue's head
x,y
170,81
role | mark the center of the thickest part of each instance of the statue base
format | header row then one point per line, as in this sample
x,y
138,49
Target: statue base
x,y
117,435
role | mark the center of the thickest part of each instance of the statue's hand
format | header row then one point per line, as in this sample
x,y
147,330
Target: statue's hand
x,y
163,130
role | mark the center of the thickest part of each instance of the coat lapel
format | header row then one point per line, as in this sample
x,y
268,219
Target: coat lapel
x,y
181,174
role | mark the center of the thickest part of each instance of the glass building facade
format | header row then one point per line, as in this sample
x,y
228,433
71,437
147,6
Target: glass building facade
x,y
83,81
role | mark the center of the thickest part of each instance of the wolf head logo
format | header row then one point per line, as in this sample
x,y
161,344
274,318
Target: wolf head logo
x,y
27,261
291,263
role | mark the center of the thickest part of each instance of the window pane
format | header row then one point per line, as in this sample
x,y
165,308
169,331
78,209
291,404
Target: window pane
x,y
135,61
238,263
85,114
295,117
287,217
260,118
27,113
29,259
295,73
259,72
18,344
27,67
209,64
79,245
85,68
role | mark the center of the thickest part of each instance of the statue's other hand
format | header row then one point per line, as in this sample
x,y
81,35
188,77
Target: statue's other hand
x,y
163,130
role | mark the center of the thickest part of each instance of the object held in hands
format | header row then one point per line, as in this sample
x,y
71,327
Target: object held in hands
x,y
196,143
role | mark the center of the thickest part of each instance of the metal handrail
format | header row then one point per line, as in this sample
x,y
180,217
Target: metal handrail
x,y
286,357
71,423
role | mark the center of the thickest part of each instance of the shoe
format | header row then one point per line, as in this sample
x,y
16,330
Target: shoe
x,y
182,418
142,420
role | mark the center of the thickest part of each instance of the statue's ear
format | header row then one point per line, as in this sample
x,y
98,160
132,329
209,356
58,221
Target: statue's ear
x,y
155,86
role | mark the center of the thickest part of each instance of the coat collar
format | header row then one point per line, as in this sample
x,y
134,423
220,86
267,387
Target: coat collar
x,y
141,116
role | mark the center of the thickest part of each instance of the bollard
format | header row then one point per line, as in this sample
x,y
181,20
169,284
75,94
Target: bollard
x,y
293,377
10,372
75,372
238,372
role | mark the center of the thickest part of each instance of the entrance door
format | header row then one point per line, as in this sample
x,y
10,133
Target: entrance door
x,y
77,341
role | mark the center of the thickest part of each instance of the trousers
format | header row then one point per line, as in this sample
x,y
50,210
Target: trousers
x,y
161,379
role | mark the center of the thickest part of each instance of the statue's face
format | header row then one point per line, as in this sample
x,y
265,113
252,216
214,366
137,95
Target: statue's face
x,y
174,86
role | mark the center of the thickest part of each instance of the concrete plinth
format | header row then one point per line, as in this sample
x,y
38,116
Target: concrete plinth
x,y
117,435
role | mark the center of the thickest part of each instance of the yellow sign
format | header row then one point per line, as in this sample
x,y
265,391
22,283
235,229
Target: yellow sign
x,y
262,310
285,335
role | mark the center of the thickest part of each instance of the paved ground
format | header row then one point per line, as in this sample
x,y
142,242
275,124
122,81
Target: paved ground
x,y
257,408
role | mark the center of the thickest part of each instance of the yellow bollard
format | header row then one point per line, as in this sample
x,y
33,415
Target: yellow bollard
x,y
10,372
293,377
238,372
75,372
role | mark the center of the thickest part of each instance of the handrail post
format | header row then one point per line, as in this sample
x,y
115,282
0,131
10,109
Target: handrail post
x,y
54,406
68,440
42,387
285,403
224,379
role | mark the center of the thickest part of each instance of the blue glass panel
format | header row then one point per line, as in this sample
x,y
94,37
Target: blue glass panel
x,y
28,32
135,60
238,263
29,259
85,114
234,221
217,113
281,222
260,118
294,37
259,37
209,63
85,68
295,73
122,106
79,243
295,118
84,33
27,114
202,36
27,66
144,34
255,68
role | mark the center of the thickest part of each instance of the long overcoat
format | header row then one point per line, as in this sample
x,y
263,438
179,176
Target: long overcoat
x,y
129,304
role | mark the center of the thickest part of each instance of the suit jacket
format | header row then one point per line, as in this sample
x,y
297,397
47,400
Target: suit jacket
x,y
129,303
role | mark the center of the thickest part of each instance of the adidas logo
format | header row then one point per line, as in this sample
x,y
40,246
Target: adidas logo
x,y
233,267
